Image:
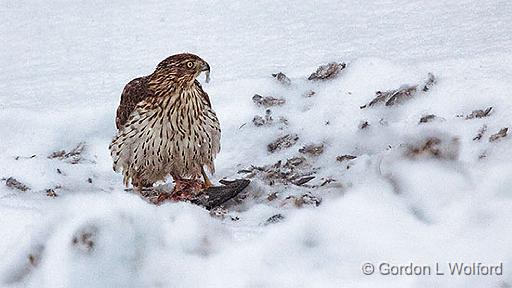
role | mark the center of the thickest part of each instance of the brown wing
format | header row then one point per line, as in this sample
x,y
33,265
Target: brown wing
x,y
134,92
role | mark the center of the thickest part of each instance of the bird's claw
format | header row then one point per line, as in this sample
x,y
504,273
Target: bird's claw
x,y
207,184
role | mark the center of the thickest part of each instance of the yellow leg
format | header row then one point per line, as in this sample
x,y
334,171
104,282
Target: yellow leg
x,y
207,183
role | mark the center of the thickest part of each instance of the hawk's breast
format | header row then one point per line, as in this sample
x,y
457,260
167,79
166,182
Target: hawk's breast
x,y
174,134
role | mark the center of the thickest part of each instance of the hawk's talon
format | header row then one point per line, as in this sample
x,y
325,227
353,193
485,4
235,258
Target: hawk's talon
x,y
207,184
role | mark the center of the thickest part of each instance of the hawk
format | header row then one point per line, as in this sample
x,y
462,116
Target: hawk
x,y
166,126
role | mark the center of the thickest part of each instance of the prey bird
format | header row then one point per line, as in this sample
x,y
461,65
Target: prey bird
x,y
167,127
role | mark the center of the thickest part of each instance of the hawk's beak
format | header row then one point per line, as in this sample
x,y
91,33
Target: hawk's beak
x,y
206,68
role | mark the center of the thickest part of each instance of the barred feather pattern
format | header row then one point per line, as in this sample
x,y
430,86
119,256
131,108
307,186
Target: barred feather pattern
x,y
174,134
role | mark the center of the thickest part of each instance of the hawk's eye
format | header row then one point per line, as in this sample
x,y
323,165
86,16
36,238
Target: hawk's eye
x,y
190,64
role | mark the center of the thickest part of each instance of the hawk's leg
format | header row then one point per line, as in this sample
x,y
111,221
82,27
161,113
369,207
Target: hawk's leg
x,y
148,192
141,185
207,183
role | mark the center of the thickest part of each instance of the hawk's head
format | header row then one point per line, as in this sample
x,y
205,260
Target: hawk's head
x,y
183,68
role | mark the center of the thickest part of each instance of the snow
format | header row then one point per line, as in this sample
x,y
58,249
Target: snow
x,y
64,64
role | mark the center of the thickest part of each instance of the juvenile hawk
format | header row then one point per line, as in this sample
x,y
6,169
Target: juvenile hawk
x,y
166,125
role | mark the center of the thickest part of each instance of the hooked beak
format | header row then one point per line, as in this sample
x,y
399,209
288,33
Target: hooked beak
x,y
206,68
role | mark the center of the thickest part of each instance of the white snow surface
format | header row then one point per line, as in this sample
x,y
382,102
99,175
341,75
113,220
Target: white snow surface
x,y
63,67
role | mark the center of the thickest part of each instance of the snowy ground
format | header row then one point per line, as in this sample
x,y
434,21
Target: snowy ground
x,y
64,64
